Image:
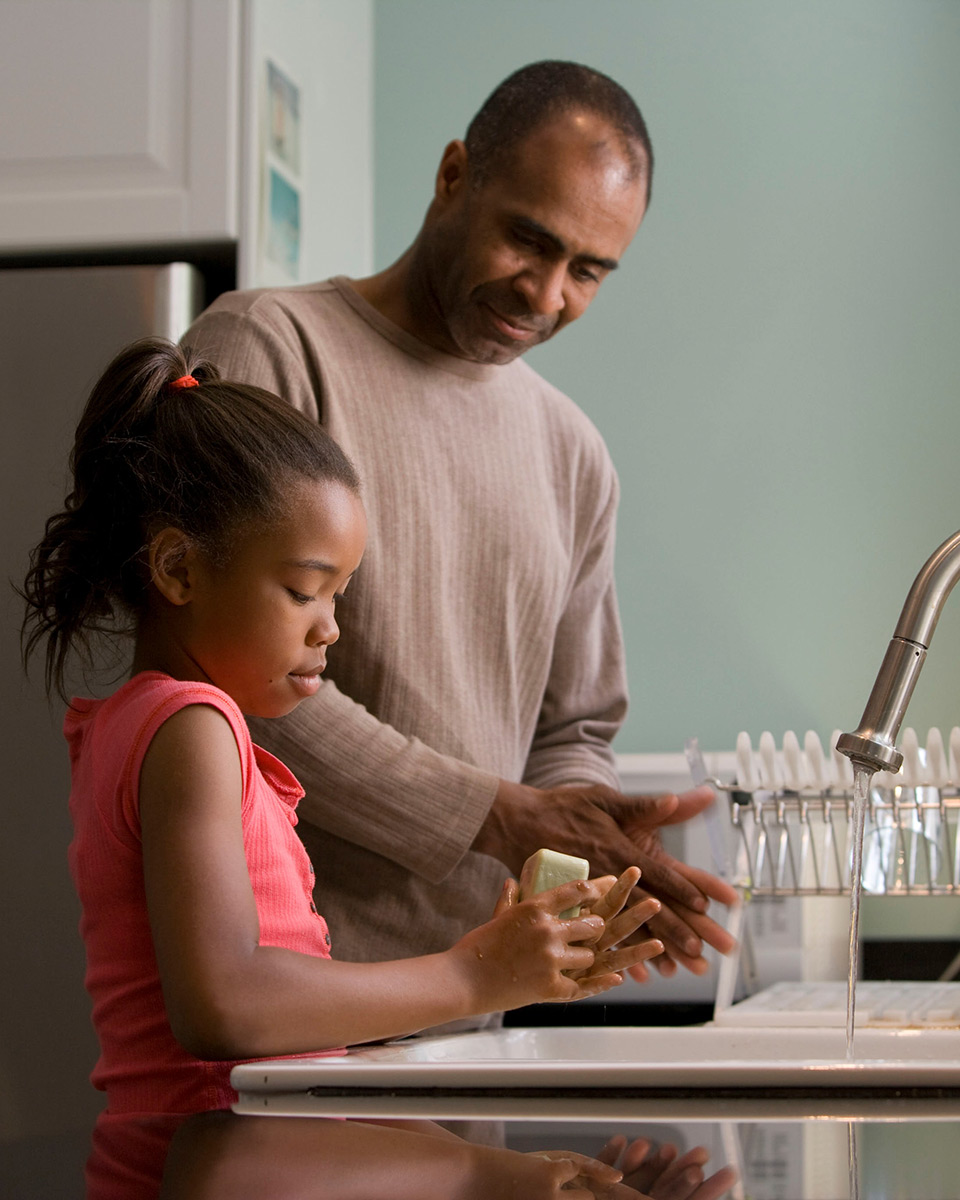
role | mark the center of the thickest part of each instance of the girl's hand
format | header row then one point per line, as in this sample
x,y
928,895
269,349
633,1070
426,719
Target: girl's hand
x,y
619,925
527,954
587,1177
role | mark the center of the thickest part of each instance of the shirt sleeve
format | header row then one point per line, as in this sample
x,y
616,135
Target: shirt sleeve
x,y
364,781
369,784
585,700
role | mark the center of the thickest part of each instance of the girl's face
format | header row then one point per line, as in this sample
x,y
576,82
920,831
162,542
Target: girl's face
x,y
259,627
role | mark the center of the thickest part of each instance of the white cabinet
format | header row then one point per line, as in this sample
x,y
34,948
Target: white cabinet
x,y
120,122
139,123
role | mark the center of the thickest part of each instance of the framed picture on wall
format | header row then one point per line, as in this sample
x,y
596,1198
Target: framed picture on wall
x,y
283,130
281,207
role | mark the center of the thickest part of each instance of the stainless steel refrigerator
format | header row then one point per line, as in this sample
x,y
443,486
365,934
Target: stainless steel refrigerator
x,y
59,327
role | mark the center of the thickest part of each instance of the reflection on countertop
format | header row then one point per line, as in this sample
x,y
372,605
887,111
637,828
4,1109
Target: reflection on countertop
x,y
221,1154
693,1149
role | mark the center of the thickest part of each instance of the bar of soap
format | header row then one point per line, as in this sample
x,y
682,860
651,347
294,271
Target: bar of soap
x,y
548,869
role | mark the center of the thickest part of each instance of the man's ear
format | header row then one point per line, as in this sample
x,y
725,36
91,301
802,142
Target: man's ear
x,y
452,172
171,557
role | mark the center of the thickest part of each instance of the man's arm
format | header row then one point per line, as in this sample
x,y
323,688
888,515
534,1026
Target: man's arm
x,y
371,785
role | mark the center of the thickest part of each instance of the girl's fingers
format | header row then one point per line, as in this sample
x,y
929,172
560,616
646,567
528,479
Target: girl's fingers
x,y
577,960
582,929
628,922
508,897
589,1168
616,961
628,956
579,893
562,1173
616,894
594,985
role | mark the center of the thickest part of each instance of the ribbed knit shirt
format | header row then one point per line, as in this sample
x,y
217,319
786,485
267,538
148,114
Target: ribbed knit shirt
x,y
479,639
142,1067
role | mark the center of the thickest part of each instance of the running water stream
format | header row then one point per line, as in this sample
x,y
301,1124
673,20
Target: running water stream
x,y
853,1166
862,776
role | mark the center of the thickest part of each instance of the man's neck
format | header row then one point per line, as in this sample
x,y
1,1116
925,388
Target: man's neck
x,y
399,294
387,293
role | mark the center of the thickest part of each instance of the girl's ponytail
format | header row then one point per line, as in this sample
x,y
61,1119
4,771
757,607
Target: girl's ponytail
x,y
85,575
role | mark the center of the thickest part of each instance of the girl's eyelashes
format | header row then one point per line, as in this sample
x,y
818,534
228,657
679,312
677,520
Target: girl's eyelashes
x,y
301,598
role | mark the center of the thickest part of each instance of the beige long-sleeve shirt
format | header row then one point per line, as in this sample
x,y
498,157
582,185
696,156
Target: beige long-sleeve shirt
x,y
480,637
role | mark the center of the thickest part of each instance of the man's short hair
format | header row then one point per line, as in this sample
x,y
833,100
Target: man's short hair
x,y
537,93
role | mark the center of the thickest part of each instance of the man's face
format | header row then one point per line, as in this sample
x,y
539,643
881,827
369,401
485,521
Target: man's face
x,y
514,260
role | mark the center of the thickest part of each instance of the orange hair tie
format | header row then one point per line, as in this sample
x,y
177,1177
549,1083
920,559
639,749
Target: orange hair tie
x,y
185,381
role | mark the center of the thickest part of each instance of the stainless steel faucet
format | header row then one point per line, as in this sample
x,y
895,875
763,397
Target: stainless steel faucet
x,y
873,745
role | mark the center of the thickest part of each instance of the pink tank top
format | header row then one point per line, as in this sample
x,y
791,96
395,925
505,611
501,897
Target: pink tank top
x,y
142,1067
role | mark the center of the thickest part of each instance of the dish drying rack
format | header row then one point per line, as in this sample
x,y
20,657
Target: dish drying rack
x,y
792,812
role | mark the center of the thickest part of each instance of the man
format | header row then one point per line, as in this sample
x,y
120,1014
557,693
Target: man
x,y
466,716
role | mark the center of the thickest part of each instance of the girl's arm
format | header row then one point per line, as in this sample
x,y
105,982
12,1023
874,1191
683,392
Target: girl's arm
x,y
214,1155
229,997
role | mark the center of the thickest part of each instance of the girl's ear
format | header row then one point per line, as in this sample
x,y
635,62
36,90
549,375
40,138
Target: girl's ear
x,y
171,557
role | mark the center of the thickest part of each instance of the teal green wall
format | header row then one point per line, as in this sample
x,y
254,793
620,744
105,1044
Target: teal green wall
x,y
776,366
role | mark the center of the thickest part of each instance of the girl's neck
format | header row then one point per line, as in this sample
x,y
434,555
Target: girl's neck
x,y
155,650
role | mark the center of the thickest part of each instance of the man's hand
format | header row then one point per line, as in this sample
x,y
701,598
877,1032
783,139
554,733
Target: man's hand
x,y
660,1173
613,832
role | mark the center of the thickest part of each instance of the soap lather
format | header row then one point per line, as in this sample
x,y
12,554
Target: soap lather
x,y
548,869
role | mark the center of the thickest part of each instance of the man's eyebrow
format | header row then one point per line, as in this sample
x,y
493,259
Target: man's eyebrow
x,y
557,244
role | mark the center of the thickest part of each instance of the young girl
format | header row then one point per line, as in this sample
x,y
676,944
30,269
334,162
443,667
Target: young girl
x,y
219,528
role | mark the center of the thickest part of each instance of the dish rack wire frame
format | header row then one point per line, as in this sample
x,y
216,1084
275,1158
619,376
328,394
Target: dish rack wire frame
x,y
800,843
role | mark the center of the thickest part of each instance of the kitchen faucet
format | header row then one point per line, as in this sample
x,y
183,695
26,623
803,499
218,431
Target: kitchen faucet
x,y
873,745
